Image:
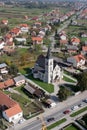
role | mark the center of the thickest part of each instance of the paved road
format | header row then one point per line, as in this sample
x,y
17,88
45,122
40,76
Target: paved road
x,y
57,112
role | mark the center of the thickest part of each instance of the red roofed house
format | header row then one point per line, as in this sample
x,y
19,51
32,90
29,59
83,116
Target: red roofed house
x,y
5,22
75,41
77,61
37,40
15,32
7,83
24,28
11,110
8,38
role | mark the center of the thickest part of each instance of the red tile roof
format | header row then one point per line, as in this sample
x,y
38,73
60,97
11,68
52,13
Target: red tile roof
x,y
84,48
63,41
15,30
13,110
4,21
6,100
7,83
79,57
23,25
75,39
13,107
39,39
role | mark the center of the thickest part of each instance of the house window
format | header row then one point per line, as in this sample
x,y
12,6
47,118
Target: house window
x,y
12,118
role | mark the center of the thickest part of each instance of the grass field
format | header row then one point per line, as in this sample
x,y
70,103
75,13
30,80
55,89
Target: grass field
x,y
71,127
79,112
56,124
48,87
68,79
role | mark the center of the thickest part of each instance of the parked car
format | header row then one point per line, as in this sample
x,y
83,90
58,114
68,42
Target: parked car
x,y
50,119
85,100
66,112
80,105
75,107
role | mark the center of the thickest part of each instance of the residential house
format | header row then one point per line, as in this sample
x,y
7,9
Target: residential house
x,y
46,69
4,21
84,50
77,61
41,34
31,89
19,80
75,41
15,32
8,38
63,42
24,28
21,40
10,109
37,40
3,68
71,49
6,84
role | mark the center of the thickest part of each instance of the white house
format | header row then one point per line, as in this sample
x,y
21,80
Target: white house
x,y
19,80
12,114
77,61
10,109
46,69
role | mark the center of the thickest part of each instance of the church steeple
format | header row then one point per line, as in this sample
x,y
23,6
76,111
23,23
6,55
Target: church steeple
x,y
49,55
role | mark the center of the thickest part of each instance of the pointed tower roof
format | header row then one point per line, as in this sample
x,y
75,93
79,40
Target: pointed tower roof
x,y
49,55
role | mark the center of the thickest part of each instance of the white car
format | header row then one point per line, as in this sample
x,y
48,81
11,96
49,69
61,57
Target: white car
x,y
75,107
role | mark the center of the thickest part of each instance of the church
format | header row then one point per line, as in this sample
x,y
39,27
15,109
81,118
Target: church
x,y
46,69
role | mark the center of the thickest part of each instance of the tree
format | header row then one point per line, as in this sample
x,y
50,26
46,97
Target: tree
x,y
82,81
13,69
63,93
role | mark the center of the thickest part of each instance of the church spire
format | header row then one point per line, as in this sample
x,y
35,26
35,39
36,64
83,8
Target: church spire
x,y
49,55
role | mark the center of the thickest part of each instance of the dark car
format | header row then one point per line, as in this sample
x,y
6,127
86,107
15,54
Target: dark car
x,y
85,100
50,119
66,112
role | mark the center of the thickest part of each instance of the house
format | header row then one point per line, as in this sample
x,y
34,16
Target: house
x,y
33,90
6,84
46,69
24,28
84,50
63,42
75,41
77,61
37,40
41,34
15,32
10,45
62,35
19,80
71,49
10,109
4,21
21,40
8,38
3,68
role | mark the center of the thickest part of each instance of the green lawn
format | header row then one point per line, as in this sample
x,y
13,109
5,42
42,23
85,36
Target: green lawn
x,y
71,127
79,112
56,124
68,79
20,90
48,87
